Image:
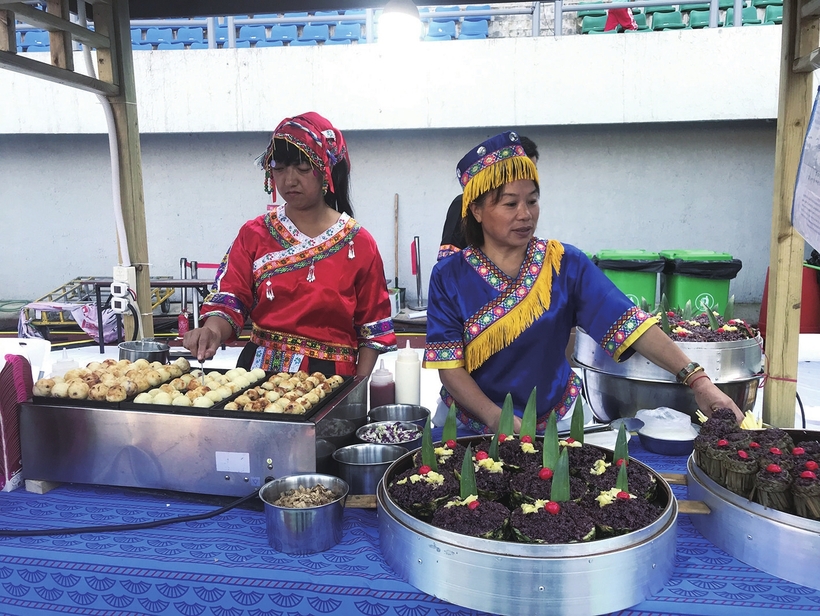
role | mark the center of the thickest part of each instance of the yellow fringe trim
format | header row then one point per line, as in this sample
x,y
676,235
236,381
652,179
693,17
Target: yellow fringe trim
x,y
503,332
497,174
639,331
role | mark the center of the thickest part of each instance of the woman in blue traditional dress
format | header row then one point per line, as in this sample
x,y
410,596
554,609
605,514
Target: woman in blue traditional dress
x,y
501,311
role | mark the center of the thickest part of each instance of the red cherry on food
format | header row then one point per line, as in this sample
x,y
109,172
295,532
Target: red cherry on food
x,y
798,451
526,439
545,473
570,439
742,455
812,465
722,442
451,444
553,508
808,475
775,451
622,495
424,470
502,438
481,455
774,468
472,505
754,445
620,461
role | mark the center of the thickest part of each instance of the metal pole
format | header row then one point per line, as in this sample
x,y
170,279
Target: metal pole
x,y
231,32
714,7
558,25
738,13
368,25
211,27
536,19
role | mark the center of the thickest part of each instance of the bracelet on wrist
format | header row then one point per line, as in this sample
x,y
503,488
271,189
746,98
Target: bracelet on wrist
x,y
703,375
685,374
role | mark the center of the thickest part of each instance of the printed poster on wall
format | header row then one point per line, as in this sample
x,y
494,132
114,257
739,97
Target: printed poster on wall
x,y
806,205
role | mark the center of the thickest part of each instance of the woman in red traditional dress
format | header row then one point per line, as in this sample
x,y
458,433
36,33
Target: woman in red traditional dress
x,y
306,274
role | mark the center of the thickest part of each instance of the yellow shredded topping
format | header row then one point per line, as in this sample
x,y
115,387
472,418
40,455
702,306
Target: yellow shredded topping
x,y
401,482
443,454
695,323
609,497
462,503
681,330
599,468
701,417
431,477
532,508
570,444
491,465
527,447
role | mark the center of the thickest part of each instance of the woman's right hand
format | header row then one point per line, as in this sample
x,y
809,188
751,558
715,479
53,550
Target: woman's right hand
x,y
204,341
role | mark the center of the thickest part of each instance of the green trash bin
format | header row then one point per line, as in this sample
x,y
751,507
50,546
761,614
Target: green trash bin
x,y
635,272
699,276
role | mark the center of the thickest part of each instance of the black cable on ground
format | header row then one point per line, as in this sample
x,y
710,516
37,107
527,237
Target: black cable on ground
x,y
120,527
802,410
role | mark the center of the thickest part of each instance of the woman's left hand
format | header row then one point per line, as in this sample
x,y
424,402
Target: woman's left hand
x,y
710,398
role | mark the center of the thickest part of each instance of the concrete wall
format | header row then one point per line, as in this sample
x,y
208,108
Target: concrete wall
x,y
695,185
656,141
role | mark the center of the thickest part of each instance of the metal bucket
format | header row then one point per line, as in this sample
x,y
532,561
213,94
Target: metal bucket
x,y
412,413
308,530
362,466
149,350
520,579
615,390
781,544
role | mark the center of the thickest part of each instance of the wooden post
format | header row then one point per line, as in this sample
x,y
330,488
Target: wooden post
x,y
59,41
116,65
8,30
800,37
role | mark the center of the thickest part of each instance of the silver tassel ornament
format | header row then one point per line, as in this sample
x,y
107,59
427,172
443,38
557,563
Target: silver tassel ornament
x,y
311,273
351,254
269,291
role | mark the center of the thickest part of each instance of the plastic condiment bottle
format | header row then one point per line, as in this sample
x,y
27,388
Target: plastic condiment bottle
x,y
59,368
408,376
382,387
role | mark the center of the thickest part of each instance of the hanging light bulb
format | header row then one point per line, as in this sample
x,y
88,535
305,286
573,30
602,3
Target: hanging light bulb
x,y
399,24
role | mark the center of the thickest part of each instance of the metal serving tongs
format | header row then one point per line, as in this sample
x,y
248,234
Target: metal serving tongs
x,y
202,371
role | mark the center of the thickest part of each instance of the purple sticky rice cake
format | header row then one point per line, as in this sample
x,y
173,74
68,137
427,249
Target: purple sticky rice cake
x,y
615,515
773,437
420,495
806,493
527,486
449,459
535,524
641,482
805,451
518,453
492,479
581,456
773,488
775,455
484,519
739,471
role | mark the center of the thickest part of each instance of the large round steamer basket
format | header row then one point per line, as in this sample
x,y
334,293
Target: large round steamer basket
x,y
517,579
620,389
783,545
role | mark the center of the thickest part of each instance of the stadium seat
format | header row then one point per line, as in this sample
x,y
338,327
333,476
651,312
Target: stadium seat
x,y
300,24
171,45
613,31
315,32
136,36
155,36
475,29
640,21
190,35
338,41
438,37
220,35
593,22
19,41
198,45
36,40
700,19
251,33
301,43
447,9
361,16
269,44
283,33
243,44
267,19
478,12
649,10
438,27
345,31
764,3
668,21
704,6
325,17
748,17
466,36
774,14
592,13
142,46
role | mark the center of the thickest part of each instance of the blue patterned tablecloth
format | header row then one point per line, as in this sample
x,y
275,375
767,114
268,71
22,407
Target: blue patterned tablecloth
x,y
223,566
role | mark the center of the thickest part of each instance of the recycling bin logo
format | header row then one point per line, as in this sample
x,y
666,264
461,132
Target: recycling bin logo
x,y
705,301
634,299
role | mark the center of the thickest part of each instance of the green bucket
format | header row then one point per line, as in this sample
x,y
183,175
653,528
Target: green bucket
x,y
635,272
701,277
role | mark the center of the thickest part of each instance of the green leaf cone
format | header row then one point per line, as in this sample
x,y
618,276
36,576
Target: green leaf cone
x,y
428,453
576,426
729,313
493,451
667,329
688,311
621,450
664,304
529,419
645,305
560,479
450,431
468,487
506,425
621,483
551,447
713,322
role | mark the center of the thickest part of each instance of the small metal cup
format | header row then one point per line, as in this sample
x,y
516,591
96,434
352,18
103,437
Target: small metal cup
x,y
362,466
412,413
